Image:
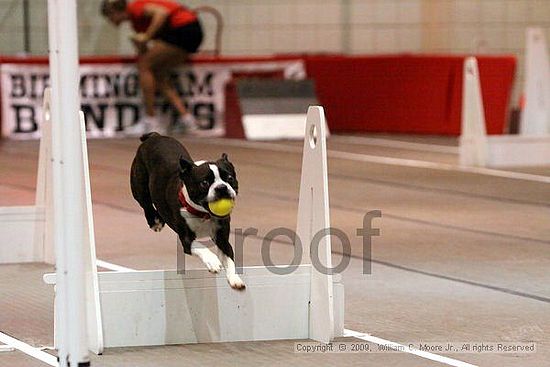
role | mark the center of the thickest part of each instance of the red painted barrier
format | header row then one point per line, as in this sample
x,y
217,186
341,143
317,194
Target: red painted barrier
x,y
407,94
394,94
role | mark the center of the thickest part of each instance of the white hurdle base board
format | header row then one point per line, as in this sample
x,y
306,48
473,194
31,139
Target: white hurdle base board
x,y
163,307
512,150
19,242
274,127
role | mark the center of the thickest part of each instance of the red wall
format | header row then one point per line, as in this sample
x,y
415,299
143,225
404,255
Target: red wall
x,y
395,94
407,94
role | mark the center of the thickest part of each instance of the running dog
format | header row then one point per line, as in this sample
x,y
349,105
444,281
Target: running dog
x,y
172,189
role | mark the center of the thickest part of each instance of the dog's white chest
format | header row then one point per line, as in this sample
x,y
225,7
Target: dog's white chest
x,y
201,226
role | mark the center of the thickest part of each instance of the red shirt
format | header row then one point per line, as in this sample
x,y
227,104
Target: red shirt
x,y
179,14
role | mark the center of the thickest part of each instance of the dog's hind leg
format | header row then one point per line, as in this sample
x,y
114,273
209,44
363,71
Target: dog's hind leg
x,y
139,182
154,220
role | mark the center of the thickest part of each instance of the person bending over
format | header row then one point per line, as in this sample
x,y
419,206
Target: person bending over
x,y
167,33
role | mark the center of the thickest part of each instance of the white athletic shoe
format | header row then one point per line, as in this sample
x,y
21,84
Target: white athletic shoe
x,y
146,124
157,127
136,129
188,123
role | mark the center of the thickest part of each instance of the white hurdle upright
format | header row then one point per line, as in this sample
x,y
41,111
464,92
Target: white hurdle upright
x,y
535,118
162,307
482,150
473,138
45,189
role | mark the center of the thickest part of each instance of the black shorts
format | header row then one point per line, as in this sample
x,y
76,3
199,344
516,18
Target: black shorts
x,y
187,37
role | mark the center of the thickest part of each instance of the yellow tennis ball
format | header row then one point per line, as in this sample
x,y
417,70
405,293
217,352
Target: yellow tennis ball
x,y
221,207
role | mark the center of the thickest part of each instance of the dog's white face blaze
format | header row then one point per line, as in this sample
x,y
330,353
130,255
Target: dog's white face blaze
x,y
218,182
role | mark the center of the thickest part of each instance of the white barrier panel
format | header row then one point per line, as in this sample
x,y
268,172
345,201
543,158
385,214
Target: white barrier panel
x,y
535,117
17,234
140,308
162,307
518,150
479,149
26,231
275,127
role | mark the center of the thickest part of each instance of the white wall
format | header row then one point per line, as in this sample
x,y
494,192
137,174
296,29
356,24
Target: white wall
x,y
285,26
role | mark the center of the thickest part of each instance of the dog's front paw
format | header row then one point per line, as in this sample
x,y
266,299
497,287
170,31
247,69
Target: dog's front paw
x,y
213,264
236,282
157,227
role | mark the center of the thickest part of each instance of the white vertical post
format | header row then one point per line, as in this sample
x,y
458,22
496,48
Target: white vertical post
x,y
314,222
60,321
68,182
535,118
473,138
44,190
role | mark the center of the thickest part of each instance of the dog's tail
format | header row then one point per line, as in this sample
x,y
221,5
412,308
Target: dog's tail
x,y
148,135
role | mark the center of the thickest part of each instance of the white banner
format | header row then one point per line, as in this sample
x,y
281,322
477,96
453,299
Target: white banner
x,y
111,97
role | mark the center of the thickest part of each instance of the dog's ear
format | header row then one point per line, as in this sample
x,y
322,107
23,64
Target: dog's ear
x,y
185,166
224,162
225,159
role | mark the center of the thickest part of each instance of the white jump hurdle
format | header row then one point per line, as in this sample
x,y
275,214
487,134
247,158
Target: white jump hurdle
x,y
530,148
26,231
161,307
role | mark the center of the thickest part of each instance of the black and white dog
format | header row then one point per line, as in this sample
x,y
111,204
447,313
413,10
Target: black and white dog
x,y
173,189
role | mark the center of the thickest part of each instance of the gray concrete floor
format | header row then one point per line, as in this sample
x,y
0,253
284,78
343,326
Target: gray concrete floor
x,y
462,257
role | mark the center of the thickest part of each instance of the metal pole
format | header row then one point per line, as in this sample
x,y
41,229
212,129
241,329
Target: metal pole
x,y
26,27
68,177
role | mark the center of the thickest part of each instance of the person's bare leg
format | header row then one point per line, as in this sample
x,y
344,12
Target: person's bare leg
x,y
147,82
165,57
170,93
159,59
186,119
148,87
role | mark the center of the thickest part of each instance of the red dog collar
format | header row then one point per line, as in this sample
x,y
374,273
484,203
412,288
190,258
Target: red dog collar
x,y
190,209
